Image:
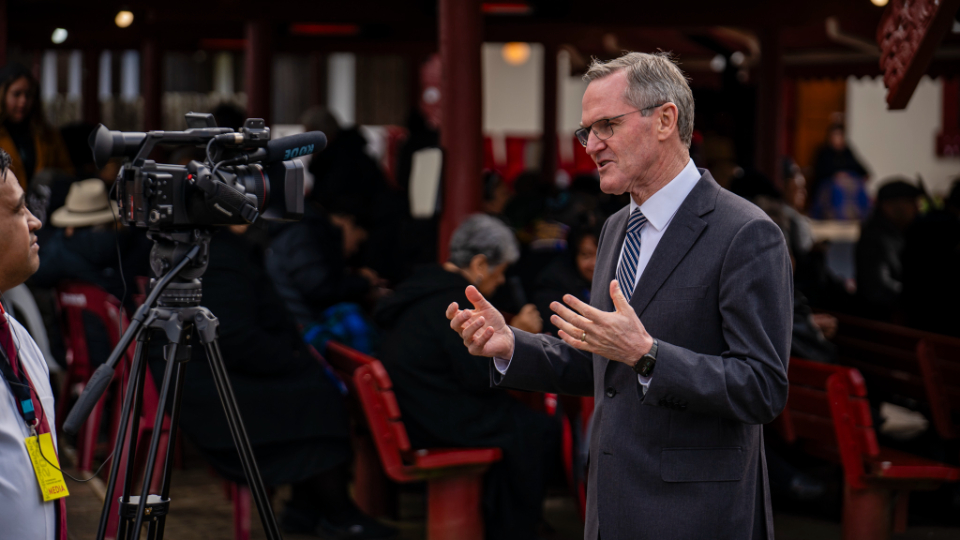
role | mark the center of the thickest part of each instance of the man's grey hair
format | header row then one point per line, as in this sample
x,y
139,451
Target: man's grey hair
x,y
481,234
5,162
651,79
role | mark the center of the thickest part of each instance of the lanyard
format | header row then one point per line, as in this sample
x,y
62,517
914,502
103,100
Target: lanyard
x,y
20,387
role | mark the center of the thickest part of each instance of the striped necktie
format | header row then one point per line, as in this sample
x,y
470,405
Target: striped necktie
x,y
627,272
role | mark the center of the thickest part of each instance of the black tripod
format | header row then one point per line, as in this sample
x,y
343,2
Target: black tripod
x,y
180,316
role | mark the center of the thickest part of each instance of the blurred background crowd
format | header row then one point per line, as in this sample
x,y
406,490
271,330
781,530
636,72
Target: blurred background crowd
x,y
868,201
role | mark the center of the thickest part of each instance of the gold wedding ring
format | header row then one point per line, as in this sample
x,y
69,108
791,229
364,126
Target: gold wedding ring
x,y
583,337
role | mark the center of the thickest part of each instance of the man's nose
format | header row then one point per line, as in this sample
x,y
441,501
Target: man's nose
x,y
33,223
594,144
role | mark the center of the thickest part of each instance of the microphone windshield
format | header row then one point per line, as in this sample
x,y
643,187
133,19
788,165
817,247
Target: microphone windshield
x,y
301,144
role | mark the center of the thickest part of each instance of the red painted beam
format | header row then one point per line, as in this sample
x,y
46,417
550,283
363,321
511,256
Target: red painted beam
x,y
461,106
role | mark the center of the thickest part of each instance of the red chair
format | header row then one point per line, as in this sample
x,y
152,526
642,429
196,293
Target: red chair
x,y
373,492
73,300
827,411
454,476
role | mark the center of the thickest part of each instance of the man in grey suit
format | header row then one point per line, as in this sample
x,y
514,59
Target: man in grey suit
x,y
684,345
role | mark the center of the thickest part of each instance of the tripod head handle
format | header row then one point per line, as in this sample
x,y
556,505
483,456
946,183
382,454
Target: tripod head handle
x,y
98,383
88,399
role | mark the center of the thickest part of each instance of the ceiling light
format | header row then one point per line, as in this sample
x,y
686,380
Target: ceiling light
x,y
737,58
515,53
879,3
124,18
59,36
718,63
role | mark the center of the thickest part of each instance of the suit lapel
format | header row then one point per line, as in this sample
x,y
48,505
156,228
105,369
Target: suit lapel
x,y
680,236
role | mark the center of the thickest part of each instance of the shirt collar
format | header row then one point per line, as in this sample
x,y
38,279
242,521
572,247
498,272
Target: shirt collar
x,y
662,205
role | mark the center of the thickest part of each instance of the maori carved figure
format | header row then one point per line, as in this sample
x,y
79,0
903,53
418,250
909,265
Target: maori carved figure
x,y
909,34
899,35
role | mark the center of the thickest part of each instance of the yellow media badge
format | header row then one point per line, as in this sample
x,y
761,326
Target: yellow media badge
x,y
47,466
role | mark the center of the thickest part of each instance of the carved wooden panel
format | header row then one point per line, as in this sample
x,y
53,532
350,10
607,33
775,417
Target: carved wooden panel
x,y
908,35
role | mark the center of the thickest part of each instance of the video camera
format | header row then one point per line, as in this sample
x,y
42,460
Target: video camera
x,y
245,175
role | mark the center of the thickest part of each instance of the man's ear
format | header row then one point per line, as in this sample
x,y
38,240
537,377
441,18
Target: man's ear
x,y
667,120
479,265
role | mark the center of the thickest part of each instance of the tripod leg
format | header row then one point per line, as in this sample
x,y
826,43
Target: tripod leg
x,y
178,378
241,440
132,399
155,438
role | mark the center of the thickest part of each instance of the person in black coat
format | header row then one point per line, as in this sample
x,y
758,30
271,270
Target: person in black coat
x,y
443,391
291,404
931,266
308,262
570,273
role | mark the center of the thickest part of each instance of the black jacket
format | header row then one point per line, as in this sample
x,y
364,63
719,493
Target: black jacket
x,y
307,264
286,399
444,391
559,278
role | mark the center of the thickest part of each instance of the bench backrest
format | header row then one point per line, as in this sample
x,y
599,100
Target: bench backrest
x,y
886,355
369,382
73,299
827,408
939,358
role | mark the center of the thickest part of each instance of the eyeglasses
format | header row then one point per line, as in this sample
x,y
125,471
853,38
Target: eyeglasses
x,y
603,128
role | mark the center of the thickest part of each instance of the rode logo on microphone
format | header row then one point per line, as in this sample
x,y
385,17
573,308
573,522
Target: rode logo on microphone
x,y
297,152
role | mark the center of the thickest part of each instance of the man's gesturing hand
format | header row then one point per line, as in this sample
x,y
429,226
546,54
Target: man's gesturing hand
x,y
483,329
618,335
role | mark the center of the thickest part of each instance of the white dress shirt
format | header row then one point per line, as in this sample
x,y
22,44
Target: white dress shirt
x,y
659,210
23,514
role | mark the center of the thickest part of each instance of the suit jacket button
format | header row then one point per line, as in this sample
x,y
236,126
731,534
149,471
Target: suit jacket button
x,y
611,391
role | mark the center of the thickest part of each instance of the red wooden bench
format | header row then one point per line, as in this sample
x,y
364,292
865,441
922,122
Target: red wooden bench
x,y
454,476
827,411
915,368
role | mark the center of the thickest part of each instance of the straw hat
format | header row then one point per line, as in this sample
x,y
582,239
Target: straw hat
x,y
87,205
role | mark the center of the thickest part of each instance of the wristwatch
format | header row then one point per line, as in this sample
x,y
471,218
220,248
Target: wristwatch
x,y
644,366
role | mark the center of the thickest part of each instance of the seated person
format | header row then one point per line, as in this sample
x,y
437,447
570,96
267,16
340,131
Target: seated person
x,y
879,252
570,273
86,246
442,389
290,403
931,264
308,262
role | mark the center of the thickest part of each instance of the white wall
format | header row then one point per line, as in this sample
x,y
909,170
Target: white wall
x,y
899,142
513,95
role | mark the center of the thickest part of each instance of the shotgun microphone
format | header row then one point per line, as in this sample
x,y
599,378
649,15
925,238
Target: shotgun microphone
x,y
286,148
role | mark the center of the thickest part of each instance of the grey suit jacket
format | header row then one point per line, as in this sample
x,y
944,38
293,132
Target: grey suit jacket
x,y
686,459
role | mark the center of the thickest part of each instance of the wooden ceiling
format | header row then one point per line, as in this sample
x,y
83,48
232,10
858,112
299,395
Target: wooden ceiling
x,y
695,30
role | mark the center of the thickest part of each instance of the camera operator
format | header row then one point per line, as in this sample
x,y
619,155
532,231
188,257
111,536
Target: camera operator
x,y
26,399
291,404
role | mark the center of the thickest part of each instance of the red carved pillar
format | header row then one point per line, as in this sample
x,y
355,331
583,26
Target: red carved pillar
x,y
258,69
152,84
90,86
770,117
548,157
461,131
